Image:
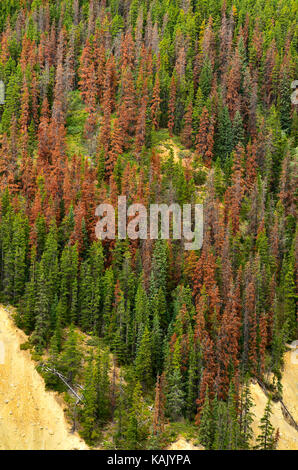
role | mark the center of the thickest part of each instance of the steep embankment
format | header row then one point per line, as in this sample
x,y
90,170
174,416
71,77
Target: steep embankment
x,y
288,434
30,417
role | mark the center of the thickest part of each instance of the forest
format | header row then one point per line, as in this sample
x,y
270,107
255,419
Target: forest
x,y
161,101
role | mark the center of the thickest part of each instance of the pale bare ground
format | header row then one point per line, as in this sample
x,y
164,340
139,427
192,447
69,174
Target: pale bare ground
x,y
288,435
164,152
30,416
290,381
183,444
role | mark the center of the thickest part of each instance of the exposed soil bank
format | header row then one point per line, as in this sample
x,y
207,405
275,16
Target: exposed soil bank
x,y
30,416
288,434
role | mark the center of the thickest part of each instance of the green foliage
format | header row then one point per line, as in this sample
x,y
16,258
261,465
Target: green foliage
x,y
137,430
193,318
266,438
143,363
206,424
71,356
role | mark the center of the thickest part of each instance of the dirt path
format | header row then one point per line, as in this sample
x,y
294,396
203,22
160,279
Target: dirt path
x,y
30,417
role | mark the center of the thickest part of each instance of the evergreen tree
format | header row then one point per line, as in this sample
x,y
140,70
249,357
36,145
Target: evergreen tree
x,y
290,299
225,135
246,416
266,438
42,311
285,102
206,425
89,425
28,306
143,362
206,78
71,356
108,290
156,344
175,393
221,437
102,381
137,429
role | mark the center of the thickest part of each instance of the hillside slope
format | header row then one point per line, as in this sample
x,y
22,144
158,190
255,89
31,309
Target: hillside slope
x,y
288,435
30,417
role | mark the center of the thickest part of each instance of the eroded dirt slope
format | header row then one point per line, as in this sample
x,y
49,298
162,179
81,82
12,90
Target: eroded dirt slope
x,y
30,416
288,434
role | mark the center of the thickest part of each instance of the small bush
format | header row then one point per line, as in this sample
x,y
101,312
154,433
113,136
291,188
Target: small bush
x,y
92,342
36,357
200,177
25,346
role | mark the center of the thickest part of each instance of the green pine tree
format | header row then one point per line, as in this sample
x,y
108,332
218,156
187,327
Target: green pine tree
x,y
206,423
266,438
138,425
246,416
143,362
71,356
90,430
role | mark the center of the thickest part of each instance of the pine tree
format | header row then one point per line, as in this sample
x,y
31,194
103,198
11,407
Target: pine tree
x,y
204,139
232,427
42,312
159,406
19,243
172,106
206,78
156,344
51,380
102,381
290,315
143,362
88,420
68,283
141,313
246,416
225,135
266,438
137,429
221,436
175,393
192,379
186,135
238,132
71,356
108,290
206,425
155,106
28,307
159,268
285,102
